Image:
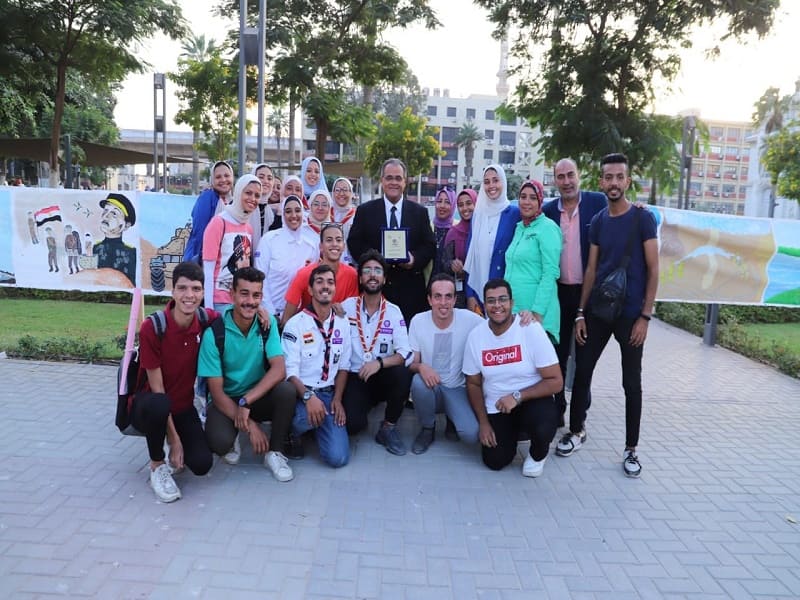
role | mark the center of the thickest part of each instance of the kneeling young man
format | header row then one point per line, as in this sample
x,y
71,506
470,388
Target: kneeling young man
x,y
512,373
316,343
164,407
247,388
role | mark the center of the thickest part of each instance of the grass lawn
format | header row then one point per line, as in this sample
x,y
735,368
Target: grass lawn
x,y
50,319
785,334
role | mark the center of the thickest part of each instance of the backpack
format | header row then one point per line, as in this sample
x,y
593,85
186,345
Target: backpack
x,y
133,383
608,297
218,327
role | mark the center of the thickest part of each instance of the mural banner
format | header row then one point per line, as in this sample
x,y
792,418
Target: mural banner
x,y
97,241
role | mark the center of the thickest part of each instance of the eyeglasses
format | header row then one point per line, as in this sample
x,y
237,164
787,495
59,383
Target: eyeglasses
x,y
340,190
498,300
319,205
372,270
328,224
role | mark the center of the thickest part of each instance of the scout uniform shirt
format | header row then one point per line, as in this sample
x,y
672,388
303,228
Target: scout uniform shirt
x,y
381,334
304,348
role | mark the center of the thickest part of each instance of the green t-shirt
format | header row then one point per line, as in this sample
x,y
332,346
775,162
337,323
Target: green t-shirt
x,y
244,356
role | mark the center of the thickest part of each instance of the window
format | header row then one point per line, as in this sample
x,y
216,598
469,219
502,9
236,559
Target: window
x,y
311,145
728,190
505,157
488,154
715,133
310,124
470,113
488,134
449,134
490,115
431,111
743,173
450,153
734,134
451,111
715,150
508,121
508,138
332,147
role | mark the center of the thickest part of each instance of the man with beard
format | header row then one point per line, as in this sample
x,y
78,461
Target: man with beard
x,y
609,234
572,212
247,380
512,373
316,343
380,350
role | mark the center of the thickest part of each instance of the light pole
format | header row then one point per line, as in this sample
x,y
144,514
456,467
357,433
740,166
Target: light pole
x,y
159,125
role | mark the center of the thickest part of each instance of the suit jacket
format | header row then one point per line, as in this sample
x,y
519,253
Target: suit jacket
x,y
591,203
404,287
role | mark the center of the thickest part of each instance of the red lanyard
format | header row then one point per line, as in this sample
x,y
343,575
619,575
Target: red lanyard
x,y
327,339
381,314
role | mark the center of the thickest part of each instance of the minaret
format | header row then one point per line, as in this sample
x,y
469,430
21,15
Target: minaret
x,y
502,73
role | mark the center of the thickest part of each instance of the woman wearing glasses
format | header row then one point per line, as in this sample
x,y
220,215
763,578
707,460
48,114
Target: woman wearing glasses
x,y
532,261
343,209
283,252
319,210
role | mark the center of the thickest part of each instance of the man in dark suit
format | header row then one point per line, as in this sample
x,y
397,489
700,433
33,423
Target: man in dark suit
x,y
573,212
405,281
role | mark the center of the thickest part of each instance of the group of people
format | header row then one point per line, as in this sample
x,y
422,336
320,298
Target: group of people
x,y
474,320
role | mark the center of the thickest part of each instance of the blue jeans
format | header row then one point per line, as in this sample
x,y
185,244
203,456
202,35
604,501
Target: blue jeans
x,y
334,445
451,401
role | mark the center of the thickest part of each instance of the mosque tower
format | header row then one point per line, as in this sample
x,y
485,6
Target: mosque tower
x,y
502,73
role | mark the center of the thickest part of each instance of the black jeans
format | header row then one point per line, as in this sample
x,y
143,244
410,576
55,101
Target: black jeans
x,y
536,417
277,405
569,299
149,414
392,384
586,357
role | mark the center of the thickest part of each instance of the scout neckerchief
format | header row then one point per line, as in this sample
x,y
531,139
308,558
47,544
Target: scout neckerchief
x,y
326,338
381,313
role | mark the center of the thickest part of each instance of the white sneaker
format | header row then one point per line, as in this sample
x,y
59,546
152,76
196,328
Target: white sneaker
x,y
533,468
570,443
235,455
277,463
630,464
163,484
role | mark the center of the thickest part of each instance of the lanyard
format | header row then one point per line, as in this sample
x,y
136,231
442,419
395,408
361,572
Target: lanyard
x,y
381,314
327,339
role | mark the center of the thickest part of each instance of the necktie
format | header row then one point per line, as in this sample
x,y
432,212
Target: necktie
x,y
393,219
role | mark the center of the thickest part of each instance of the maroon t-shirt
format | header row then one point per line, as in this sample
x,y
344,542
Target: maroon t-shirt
x,y
176,355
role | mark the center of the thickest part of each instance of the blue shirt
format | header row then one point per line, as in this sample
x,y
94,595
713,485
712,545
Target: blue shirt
x,y
611,235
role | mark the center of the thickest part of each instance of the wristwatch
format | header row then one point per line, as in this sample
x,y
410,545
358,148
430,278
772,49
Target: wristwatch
x,y
517,396
243,402
307,396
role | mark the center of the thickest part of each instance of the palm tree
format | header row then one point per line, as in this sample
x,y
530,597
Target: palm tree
x,y
768,116
466,138
277,121
197,49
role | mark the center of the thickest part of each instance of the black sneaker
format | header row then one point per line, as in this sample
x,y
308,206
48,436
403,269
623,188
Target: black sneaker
x,y
450,432
389,437
424,440
630,464
293,447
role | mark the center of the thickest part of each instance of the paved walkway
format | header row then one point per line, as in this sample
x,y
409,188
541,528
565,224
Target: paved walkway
x,y
714,514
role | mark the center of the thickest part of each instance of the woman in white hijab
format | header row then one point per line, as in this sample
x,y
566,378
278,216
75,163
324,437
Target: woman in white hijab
x,y
283,252
493,224
343,210
228,242
262,218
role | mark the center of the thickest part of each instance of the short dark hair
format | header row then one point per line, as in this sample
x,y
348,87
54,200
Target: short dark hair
x,y
394,161
319,270
495,283
329,225
615,158
191,270
369,255
440,277
250,274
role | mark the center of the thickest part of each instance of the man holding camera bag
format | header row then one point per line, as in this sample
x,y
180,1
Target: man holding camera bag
x,y
619,288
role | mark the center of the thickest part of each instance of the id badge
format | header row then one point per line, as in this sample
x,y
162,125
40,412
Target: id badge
x,y
459,285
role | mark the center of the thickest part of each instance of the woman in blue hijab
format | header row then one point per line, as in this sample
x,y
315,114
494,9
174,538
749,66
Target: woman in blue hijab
x,y
312,176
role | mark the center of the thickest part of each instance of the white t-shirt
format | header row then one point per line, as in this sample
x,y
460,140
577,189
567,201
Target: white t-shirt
x,y
392,335
508,362
443,349
304,349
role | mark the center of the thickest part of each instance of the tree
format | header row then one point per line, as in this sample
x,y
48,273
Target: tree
x,y
468,135
595,86
781,159
94,39
768,118
277,122
408,138
209,103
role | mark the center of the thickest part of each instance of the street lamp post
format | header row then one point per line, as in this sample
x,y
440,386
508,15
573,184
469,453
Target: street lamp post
x,y
159,125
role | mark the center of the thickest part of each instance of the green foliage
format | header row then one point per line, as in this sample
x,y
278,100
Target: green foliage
x,y
591,91
338,119
408,138
781,159
468,135
31,347
769,110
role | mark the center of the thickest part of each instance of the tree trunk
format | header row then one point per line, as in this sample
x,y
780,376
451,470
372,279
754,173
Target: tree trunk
x,y
278,139
292,109
322,136
196,163
58,113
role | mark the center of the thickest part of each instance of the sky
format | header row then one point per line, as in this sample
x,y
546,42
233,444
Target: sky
x,y
461,56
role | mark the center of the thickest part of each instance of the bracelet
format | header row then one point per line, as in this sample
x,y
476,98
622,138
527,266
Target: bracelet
x,y
580,311
579,318
380,360
645,317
